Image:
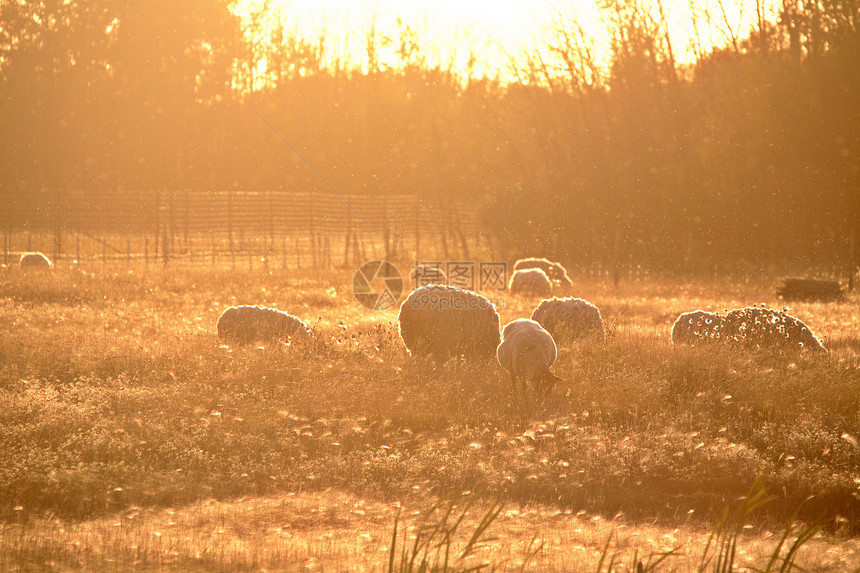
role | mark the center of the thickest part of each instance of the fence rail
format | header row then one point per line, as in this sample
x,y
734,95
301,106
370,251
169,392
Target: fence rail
x,y
306,229
189,211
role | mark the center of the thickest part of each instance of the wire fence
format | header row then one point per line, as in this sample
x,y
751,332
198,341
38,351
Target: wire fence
x,y
276,229
267,228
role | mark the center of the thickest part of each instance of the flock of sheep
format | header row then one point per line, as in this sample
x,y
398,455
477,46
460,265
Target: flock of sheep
x,y
442,322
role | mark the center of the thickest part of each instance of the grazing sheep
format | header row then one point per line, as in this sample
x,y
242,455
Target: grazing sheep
x,y
530,282
765,327
443,322
424,275
246,324
34,260
527,351
697,327
555,271
569,319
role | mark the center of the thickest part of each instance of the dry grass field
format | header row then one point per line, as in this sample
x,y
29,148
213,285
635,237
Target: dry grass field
x,y
131,438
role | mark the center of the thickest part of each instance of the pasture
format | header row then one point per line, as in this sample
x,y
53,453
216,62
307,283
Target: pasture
x,y
132,437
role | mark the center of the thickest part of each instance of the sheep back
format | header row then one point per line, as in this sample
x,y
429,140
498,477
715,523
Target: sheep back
x,y
530,282
527,352
34,260
443,322
555,271
768,328
568,319
526,346
245,324
697,327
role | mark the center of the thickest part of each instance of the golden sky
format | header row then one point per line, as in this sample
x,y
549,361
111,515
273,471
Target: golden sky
x,y
493,30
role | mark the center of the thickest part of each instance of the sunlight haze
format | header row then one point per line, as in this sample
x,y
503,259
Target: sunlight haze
x,y
330,285
449,32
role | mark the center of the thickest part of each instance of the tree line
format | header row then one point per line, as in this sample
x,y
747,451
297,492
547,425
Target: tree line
x,y
747,152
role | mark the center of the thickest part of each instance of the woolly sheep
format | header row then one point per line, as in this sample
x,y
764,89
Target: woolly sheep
x,y
245,324
34,260
530,282
442,322
424,275
764,327
697,327
555,271
568,319
527,351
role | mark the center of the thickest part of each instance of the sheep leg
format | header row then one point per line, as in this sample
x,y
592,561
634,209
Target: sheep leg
x,y
515,385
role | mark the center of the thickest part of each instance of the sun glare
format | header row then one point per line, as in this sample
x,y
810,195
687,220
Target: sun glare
x,y
481,37
450,33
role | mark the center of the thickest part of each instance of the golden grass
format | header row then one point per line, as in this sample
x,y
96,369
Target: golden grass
x,y
118,395
337,531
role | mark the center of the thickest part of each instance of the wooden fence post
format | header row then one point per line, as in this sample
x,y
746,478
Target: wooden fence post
x,y
417,228
170,228
271,217
157,220
230,227
615,254
851,252
187,209
356,253
313,250
165,247
852,262
346,240
311,231
386,229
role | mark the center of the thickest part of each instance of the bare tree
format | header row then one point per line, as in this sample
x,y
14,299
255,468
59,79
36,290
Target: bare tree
x,y
570,44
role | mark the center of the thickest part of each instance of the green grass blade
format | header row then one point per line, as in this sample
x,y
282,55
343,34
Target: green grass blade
x,y
603,553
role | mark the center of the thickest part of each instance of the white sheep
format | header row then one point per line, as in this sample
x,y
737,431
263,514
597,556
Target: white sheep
x,y
34,260
245,324
443,322
530,282
555,271
697,327
569,319
424,275
767,328
527,352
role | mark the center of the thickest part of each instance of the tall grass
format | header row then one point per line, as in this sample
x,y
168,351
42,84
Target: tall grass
x,y
117,393
433,546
